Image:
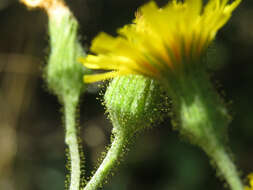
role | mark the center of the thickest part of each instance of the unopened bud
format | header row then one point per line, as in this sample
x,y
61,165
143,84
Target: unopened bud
x,y
134,103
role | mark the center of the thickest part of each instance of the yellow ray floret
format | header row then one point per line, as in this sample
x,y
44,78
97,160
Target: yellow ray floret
x,y
160,40
250,177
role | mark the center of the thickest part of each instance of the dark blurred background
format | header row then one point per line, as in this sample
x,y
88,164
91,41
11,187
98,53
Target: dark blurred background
x,y
32,155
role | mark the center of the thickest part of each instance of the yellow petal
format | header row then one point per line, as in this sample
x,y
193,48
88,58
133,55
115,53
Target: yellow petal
x,y
103,76
103,43
160,39
232,6
194,6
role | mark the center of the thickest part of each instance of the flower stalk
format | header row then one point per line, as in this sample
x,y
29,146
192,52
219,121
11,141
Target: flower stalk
x,y
133,104
202,117
63,74
113,156
71,139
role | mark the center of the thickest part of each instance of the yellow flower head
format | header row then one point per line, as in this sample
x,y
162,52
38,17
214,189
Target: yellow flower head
x,y
161,40
250,177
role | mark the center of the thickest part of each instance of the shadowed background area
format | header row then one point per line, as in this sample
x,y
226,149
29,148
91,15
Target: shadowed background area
x,y
32,150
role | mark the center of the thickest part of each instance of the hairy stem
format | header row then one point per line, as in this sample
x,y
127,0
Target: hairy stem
x,y
225,165
71,139
110,161
203,119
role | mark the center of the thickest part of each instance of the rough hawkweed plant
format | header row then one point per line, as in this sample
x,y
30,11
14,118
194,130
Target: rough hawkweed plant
x,y
64,75
169,44
133,103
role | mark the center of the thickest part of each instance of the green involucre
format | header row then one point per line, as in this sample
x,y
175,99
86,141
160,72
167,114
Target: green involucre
x,y
135,102
63,73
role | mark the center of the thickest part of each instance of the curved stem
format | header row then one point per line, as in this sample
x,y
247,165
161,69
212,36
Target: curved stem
x,y
226,167
109,162
71,139
203,118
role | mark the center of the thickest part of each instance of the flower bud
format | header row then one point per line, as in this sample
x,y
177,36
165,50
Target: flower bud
x,y
134,103
63,73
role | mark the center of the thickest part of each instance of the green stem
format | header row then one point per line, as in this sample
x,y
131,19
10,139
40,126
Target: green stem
x,y
110,161
71,139
226,167
203,118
